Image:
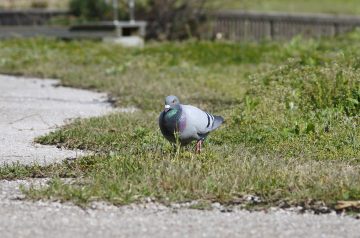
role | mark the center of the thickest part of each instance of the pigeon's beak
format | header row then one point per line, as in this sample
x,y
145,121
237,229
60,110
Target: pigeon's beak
x,y
167,108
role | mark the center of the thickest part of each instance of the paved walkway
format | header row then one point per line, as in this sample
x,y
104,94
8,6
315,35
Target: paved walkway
x,y
43,219
31,107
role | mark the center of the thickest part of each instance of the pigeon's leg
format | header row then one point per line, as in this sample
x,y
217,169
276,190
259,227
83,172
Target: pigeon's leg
x,y
198,146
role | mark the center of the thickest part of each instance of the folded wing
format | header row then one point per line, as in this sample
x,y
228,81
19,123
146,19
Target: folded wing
x,y
200,121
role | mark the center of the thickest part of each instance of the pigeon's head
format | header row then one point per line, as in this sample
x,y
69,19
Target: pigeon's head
x,y
171,102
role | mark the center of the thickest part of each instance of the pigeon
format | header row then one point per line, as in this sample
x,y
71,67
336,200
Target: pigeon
x,y
188,122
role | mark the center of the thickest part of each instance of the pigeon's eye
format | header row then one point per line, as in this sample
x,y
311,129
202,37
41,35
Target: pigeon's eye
x,y
173,101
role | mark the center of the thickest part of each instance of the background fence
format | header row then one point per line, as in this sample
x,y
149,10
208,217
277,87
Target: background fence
x,y
239,25
231,25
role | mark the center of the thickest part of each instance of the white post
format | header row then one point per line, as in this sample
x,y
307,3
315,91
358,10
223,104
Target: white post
x,y
132,10
116,18
115,11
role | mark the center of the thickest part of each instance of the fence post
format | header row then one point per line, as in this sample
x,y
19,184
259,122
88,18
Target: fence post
x,y
336,29
272,36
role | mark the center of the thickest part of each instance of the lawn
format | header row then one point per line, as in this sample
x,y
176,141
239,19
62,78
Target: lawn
x,y
294,6
291,109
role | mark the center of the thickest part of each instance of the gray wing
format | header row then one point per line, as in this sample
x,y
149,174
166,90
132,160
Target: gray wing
x,y
199,121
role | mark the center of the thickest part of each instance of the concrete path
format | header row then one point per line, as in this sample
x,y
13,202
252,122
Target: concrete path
x,y
43,219
31,107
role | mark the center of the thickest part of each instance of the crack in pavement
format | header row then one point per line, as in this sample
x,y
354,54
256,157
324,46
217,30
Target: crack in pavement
x,y
21,99
33,107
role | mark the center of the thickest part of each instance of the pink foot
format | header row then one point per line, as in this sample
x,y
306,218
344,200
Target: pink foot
x,y
198,147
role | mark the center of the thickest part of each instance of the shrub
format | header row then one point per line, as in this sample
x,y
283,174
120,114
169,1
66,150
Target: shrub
x,y
39,4
303,110
174,19
90,9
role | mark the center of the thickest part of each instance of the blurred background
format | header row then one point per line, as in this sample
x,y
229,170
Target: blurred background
x,y
234,20
323,6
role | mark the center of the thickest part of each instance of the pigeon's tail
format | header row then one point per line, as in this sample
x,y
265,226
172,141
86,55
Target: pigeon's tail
x,y
218,120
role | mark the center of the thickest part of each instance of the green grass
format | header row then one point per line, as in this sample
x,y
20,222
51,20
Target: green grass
x,y
291,109
313,6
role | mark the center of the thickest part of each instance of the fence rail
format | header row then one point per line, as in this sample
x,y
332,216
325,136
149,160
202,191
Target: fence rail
x,y
61,32
28,17
239,25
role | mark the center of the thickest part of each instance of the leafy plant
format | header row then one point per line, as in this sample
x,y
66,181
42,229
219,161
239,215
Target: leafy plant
x,y
174,19
90,9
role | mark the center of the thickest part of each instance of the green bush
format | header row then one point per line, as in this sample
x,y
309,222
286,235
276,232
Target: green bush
x,y
90,9
39,4
303,110
175,19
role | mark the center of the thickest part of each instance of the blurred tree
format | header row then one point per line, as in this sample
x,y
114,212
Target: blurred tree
x,y
167,19
90,9
174,19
